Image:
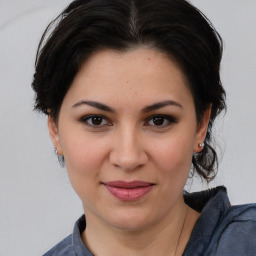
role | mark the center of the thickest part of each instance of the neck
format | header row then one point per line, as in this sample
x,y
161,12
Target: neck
x,y
166,237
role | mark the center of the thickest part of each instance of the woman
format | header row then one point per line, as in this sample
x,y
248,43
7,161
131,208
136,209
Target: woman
x,y
131,90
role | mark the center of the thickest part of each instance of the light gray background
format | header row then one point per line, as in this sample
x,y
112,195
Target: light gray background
x,y
38,205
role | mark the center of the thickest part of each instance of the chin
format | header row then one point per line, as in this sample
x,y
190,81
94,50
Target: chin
x,y
131,226
131,221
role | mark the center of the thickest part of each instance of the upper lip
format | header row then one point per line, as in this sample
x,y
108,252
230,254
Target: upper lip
x,y
125,184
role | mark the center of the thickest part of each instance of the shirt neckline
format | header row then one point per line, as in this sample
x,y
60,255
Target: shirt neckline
x,y
212,203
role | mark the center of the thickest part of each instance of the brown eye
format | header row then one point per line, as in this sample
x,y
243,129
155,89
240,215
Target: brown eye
x,y
161,121
158,120
95,121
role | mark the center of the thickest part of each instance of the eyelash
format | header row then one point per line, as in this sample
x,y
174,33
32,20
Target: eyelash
x,y
85,120
168,120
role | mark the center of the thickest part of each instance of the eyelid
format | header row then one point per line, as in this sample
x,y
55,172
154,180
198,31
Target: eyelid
x,y
84,120
169,118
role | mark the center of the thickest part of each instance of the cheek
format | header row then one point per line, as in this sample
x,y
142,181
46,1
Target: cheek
x,y
172,162
84,157
82,150
174,156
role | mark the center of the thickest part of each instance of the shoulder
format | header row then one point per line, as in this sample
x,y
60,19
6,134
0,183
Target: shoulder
x,y
62,248
73,244
239,218
236,233
222,229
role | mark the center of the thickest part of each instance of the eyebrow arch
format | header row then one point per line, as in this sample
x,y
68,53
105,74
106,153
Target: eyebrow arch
x,y
161,105
95,105
147,109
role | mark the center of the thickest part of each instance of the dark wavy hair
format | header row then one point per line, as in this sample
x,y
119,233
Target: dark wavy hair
x,y
174,27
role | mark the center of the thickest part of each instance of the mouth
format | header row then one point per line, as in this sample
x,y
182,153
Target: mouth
x,y
128,191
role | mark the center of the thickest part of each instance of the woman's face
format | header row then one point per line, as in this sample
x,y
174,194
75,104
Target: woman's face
x,y
127,129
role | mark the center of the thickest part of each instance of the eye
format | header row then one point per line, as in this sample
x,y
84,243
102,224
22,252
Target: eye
x,y
96,121
160,121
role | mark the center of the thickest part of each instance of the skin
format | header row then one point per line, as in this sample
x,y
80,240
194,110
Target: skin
x,y
128,144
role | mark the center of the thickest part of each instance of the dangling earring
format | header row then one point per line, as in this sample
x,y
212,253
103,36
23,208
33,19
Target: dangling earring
x,y
60,158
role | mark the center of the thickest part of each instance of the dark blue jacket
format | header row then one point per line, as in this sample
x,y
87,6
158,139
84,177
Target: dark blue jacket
x,y
221,230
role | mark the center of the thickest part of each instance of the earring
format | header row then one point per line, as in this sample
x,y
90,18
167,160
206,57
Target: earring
x,y
201,145
56,151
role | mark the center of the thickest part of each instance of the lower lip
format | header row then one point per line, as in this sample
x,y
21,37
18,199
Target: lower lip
x,y
128,194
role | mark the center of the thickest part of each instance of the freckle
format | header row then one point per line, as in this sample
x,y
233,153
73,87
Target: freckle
x,y
149,59
127,82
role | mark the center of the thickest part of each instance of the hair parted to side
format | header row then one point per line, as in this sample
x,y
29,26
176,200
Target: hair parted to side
x,y
174,27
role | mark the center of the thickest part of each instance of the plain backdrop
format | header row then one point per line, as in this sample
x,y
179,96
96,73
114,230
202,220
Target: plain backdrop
x,y
38,207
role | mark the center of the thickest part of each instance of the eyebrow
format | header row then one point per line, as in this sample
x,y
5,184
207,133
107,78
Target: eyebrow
x,y
146,109
94,104
161,105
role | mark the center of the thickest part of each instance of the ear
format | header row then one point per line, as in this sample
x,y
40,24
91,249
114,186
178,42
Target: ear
x,y
54,134
202,130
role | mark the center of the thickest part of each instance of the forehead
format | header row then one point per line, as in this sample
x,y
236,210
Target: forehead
x,y
140,74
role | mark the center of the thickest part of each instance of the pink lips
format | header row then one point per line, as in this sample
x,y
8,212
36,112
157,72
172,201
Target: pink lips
x,y
128,191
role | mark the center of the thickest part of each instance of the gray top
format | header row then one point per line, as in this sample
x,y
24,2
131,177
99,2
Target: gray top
x,y
221,230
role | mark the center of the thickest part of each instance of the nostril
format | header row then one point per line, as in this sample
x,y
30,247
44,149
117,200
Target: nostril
x,y
128,162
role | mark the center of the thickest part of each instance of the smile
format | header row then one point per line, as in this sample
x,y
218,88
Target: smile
x,y
128,191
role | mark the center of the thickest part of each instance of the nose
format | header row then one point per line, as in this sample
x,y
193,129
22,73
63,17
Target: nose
x,y
128,152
